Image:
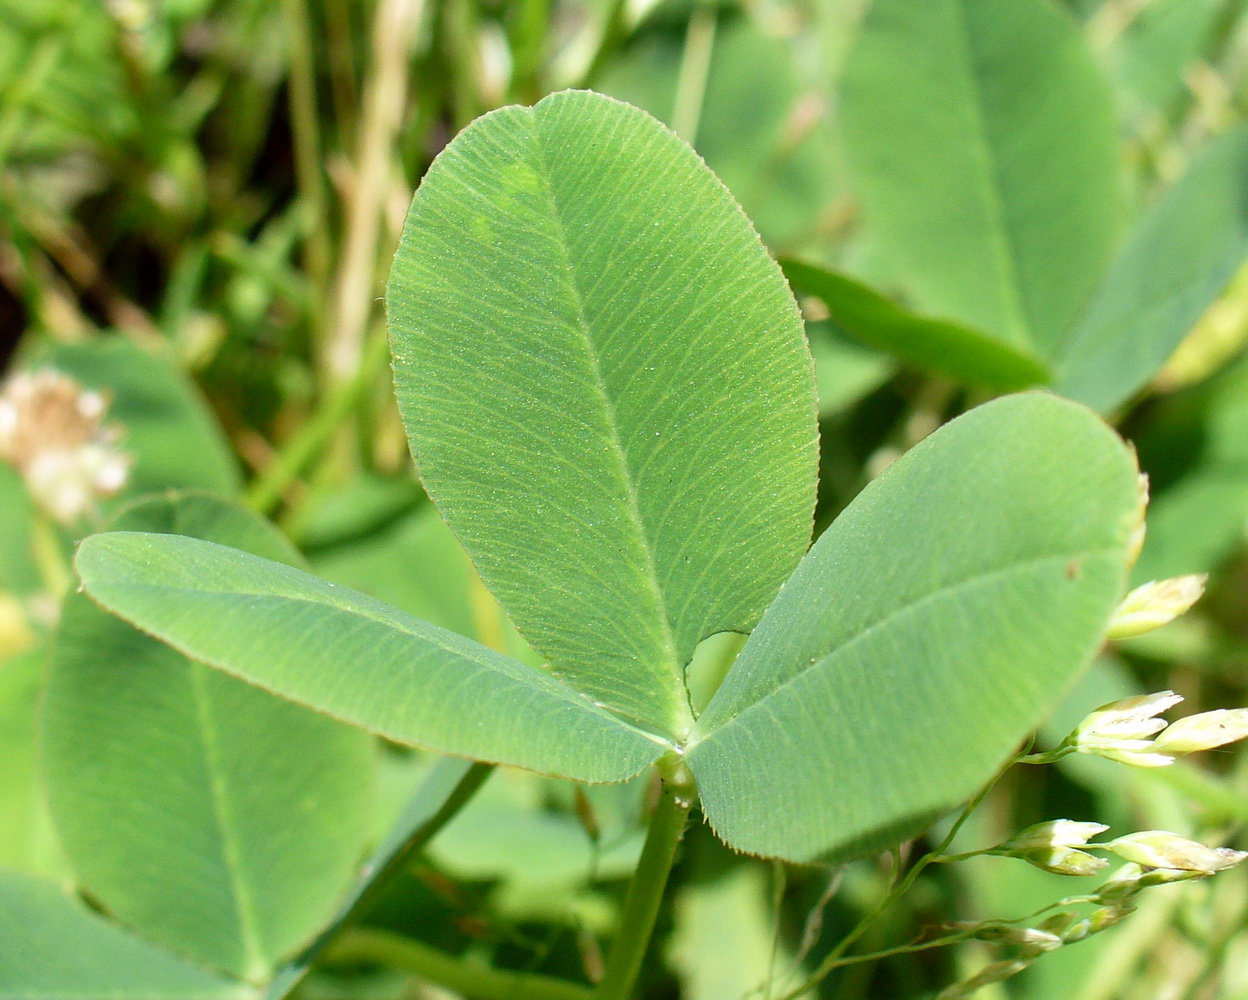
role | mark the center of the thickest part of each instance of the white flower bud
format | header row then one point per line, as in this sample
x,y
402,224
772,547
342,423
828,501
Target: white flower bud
x,y
1054,833
1155,604
1159,849
1203,731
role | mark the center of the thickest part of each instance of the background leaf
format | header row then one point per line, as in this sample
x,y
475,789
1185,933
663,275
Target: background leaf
x,y
949,348
357,659
214,817
934,624
27,840
1178,260
56,949
983,146
640,472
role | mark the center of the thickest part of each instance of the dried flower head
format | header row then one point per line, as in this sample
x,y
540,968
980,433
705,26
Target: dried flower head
x,y
52,430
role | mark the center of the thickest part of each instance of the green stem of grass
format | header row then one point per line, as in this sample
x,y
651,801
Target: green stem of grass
x,y
306,135
645,891
614,30
474,980
317,434
695,68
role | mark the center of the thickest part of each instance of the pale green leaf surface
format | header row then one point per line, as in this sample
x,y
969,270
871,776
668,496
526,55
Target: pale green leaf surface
x,y
28,842
607,392
356,658
54,948
723,943
448,785
983,145
928,630
1176,262
213,817
938,345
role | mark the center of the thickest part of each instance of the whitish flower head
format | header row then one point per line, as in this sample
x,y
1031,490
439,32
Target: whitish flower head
x,y
1054,833
1159,849
1155,604
1121,730
52,431
1203,731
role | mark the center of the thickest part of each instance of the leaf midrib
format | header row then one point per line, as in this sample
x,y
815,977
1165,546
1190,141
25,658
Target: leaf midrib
x,y
681,716
890,618
549,682
225,823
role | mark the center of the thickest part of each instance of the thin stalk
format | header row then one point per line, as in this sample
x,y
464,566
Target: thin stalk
x,y
645,891
614,30
317,434
528,48
306,135
695,68
385,100
479,982
836,957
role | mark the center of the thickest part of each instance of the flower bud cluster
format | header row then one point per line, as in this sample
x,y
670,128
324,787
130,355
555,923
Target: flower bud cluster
x,y
1129,732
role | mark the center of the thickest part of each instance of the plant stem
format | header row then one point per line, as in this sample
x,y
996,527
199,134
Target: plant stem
x,y
469,978
645,891
613,31
385,100
695,66
316,434
836,957
305,129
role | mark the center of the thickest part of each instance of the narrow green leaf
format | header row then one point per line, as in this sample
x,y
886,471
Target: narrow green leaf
x,y
983,145
938,345
356,658
213,817
1178,260
606,390
450,785
56,949
929,629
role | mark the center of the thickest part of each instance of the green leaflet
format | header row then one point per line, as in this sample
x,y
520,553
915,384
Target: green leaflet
x,y
931,627
606,391
984,148
1177,261
449,784
356,658
213,817
28,841
56,949
953,349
